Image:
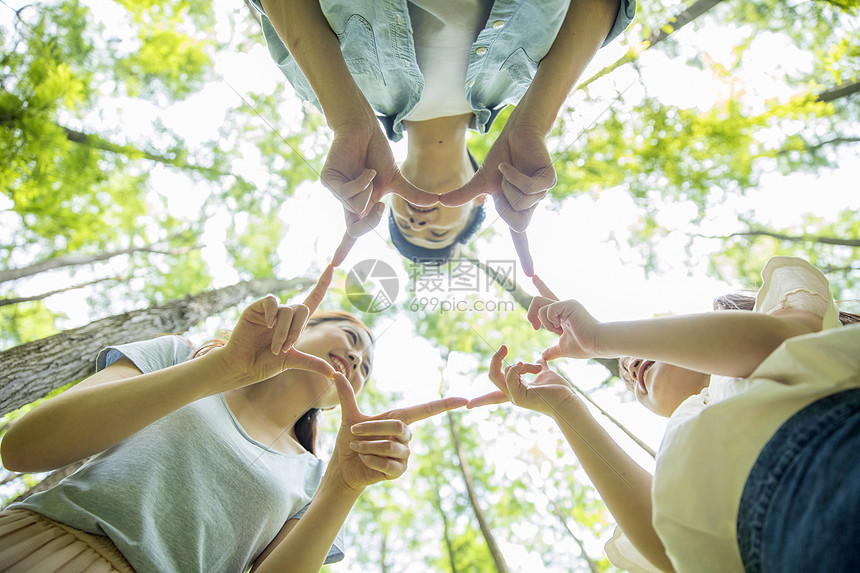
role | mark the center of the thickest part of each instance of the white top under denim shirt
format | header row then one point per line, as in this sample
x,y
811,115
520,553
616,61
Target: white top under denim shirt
x,y
714,438
191,492
376,38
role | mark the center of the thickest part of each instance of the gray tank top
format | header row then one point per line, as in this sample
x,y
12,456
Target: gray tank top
x,y
191,491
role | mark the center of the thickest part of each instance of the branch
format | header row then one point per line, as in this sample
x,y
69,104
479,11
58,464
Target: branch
x,y
591,564
621,426
792,238
74,260
817,146
840,91
130,151
20,299
674,24
466,470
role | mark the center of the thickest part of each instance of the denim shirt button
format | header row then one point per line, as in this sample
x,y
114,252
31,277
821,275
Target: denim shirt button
x,y
481,51
498,24
471,82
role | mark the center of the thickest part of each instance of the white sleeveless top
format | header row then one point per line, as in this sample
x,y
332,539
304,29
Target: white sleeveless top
x,y
714,438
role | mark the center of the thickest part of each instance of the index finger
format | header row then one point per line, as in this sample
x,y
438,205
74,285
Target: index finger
x,y
426,410
343,249
317,294
521,245
542,288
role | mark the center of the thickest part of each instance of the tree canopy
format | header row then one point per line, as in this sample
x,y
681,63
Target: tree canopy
x,y
154,158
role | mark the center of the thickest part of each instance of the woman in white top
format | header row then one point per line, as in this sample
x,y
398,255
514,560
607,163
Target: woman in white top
x,y
758,469
207,464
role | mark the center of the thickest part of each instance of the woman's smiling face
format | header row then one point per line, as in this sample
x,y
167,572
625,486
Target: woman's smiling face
x,y
659,386
344,345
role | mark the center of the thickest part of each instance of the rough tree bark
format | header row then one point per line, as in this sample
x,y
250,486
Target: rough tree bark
x,y
32,370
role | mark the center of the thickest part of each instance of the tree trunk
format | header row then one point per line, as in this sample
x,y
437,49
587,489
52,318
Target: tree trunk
x,y
133,152
383,551
591,564
449,546
44,295
674,24
465,469
32,370
74,260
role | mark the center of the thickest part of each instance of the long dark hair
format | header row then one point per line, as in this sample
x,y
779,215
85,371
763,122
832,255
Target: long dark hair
x,y
306,426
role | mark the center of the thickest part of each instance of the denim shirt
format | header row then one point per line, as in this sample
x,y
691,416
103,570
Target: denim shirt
x,y
376,40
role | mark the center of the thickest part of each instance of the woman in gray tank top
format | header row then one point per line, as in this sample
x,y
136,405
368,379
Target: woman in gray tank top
x,y
204,461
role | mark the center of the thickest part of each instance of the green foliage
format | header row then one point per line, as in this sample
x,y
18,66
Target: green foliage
x,y
24,322
167,59
744,254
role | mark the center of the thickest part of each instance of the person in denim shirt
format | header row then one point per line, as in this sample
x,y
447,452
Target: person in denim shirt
x,y
359,60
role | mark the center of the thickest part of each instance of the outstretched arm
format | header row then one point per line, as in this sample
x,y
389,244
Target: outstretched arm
x,y
624,486
360,167
367,450
518,170
113,404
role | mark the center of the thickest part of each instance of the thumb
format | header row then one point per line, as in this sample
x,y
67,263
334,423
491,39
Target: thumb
x,y
552,353
473,188
521,245
350,413
400,186
301,361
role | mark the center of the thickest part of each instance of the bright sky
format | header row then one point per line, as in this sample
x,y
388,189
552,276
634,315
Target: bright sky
x,y
572,244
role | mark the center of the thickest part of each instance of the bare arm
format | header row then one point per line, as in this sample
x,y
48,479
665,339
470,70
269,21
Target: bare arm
x,y
113,404
105,409
726,343
315,47
623,485
581,34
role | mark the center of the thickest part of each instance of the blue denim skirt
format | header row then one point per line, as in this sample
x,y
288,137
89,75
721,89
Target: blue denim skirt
x,y
800,508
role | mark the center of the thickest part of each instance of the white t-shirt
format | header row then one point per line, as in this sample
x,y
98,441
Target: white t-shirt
x,y
714,438
443,33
